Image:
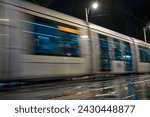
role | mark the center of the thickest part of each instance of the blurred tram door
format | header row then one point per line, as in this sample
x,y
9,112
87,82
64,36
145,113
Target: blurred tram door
x,y
128,57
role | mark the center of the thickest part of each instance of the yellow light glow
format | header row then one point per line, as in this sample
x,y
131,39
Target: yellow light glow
x,y
66,29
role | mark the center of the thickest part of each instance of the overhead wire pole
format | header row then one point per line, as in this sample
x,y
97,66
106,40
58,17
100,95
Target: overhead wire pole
x,y
90,41
86,14
87,10
144,31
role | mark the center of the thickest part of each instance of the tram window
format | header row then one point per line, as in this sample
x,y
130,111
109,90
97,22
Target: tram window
x,y
127,56
127,52
117,49
105,63
104,47
70,44
144,54
53,38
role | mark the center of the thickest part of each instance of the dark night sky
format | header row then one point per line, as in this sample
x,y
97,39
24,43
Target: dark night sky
x,y
124,16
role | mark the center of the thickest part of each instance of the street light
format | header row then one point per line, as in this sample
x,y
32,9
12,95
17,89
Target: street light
x,y
94,5
144,31
87,10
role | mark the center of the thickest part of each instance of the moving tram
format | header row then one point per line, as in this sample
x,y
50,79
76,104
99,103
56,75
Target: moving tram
x,y
36,42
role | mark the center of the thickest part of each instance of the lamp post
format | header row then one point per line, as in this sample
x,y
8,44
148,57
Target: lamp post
x,y
87,10
144,31
94,5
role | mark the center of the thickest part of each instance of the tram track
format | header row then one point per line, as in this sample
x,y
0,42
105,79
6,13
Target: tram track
x,y
78,89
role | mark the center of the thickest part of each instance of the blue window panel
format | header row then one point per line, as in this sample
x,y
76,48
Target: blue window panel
x,y
44,45
105,63
71,44
104,48
127,57
48,40
144,54
117,50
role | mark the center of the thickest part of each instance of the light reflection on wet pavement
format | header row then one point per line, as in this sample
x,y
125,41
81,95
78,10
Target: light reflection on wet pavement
x,y
121,88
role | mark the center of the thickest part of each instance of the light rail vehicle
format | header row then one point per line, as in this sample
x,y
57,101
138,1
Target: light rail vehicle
x,y
36,43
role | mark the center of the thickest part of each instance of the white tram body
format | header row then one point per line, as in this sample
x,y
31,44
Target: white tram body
x,y
36,42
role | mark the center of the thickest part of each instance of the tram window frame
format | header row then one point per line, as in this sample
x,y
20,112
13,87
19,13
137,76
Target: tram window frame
x,y
144,54
45,33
